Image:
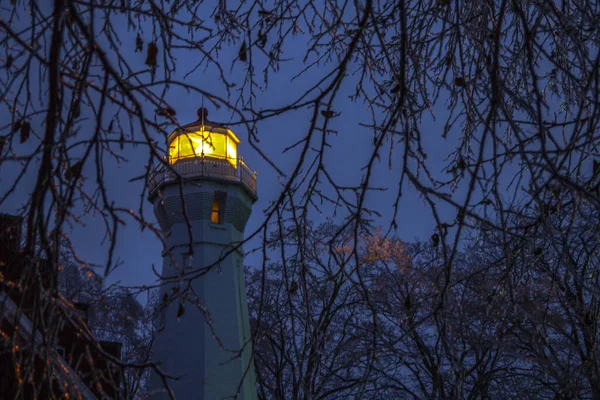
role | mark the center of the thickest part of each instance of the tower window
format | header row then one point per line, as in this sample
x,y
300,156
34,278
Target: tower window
x,y
215,217
218,208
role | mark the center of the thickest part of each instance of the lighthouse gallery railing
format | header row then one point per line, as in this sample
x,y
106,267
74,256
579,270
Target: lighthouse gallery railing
x,y
215,167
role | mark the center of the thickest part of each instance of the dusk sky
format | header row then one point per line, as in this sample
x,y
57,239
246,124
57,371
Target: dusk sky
x,y
468,130
346,157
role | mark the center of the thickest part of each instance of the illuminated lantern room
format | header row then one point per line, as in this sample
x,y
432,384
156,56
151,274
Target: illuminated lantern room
x,y
203,139
203,149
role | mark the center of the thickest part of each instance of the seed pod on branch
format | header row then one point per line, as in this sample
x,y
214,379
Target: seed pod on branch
x,y
151,54
16,126
328,113
459,81
165,111
25,131
76,109
139,44
9,61
262,39
435,239
242,52
74,172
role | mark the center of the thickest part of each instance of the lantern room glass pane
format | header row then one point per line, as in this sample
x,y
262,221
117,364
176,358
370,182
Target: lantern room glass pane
x,y
182,147
231,152
186,146
215,145
173,151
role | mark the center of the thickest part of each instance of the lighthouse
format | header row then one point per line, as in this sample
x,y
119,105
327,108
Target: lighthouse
x,y
202,200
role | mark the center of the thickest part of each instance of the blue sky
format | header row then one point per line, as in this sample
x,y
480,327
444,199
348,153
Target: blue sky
x,y
346,157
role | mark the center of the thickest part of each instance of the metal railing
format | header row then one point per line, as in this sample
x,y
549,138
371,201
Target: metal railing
x,y
247,176
207,166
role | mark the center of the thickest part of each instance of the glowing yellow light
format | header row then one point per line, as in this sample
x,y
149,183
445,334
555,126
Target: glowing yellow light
x,y
203,146
204,143
231,151
215,212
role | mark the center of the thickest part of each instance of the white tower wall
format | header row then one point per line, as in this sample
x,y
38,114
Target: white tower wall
x,y
187,346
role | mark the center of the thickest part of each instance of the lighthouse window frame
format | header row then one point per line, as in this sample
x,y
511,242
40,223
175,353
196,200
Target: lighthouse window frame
x,y
217,214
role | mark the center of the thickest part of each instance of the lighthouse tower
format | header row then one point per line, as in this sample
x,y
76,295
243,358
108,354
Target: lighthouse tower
x,y
202,201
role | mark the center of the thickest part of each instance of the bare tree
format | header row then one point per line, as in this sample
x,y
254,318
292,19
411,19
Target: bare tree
x,y
313,328
113,313
513,87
